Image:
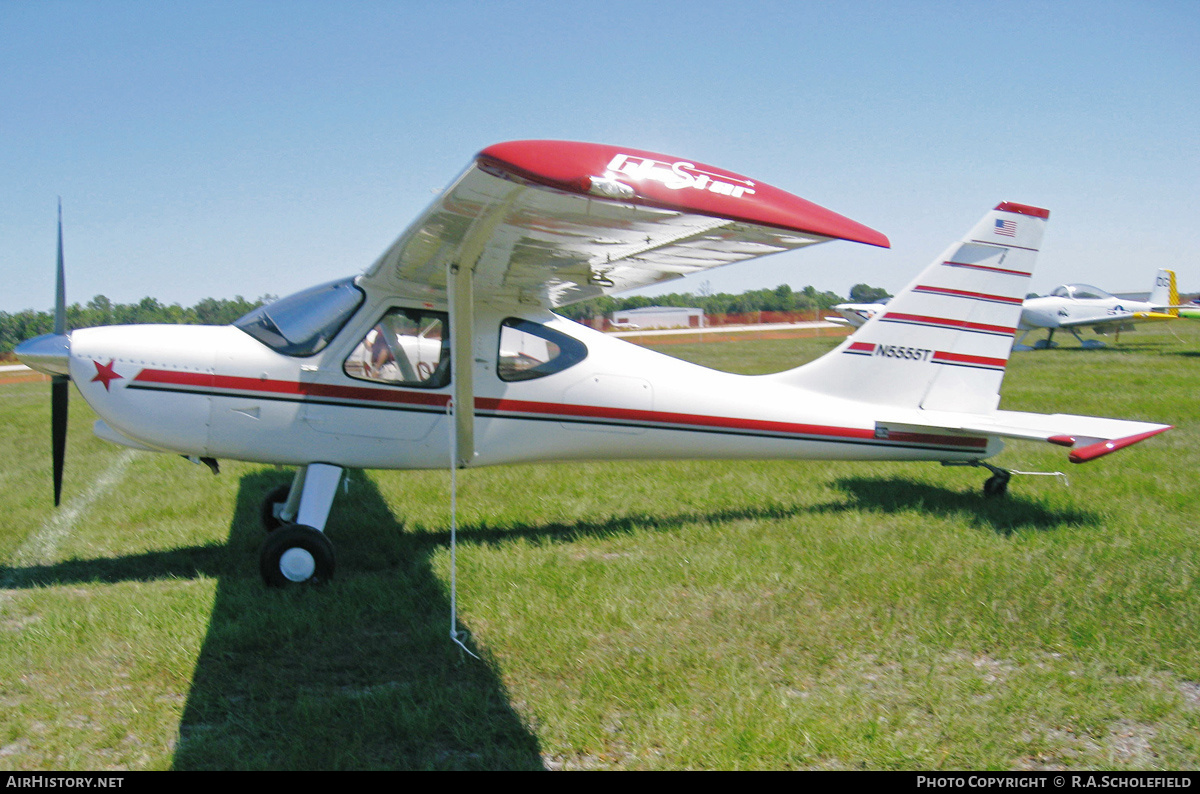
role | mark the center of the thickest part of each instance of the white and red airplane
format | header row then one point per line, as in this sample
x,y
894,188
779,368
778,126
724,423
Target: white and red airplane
x,y
855,315
446,350
1075,306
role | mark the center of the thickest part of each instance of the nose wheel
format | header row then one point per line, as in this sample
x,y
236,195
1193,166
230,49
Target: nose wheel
x,y
295,554
296,551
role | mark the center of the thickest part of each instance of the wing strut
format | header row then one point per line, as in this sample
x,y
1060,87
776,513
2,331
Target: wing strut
x,y
460,290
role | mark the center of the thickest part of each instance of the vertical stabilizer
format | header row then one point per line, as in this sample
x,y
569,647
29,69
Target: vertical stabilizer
x,y
943,342
1165,294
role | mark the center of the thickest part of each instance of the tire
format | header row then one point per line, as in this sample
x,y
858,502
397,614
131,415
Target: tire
x,y
266,514
296,555
996,485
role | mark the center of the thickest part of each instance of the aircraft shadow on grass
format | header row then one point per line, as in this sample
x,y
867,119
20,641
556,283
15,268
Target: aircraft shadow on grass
x,y
358,675
361,674
1005,516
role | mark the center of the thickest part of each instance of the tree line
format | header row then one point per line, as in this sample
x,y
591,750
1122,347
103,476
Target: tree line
x,y
781,299
16,328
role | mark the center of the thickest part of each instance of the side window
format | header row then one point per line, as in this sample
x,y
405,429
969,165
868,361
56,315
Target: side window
x,y
407,347
528,351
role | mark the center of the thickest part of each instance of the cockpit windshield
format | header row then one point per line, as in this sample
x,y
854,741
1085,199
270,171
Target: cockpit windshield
x,y
302,324
1080,292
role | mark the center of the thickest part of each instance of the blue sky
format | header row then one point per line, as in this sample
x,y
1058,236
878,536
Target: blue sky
x,y
223,148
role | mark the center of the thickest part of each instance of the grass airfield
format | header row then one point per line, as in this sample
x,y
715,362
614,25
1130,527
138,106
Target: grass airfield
x,y
702,615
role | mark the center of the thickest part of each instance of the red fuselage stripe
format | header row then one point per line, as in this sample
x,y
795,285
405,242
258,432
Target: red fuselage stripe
x,y
665,417
929,438
525,408
261,385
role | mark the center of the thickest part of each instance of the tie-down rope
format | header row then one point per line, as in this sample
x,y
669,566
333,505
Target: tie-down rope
x,y
455,634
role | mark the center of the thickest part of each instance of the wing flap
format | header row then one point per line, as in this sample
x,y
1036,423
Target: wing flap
x,y
556,222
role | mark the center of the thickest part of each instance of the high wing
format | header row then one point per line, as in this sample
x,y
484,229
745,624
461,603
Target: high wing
x,y
555,222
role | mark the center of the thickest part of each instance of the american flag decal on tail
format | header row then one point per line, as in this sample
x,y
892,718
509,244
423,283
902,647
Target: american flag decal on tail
x,y
1006,228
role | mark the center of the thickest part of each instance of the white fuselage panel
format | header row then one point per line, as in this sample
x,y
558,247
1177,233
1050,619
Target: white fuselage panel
x,y
218,392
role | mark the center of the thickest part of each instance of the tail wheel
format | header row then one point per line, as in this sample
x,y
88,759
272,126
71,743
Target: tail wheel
x,y
295,554
275,498
997,484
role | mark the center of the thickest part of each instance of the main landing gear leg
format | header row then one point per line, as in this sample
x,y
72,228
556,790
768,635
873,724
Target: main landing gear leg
x,y
297,550
1047,343
1092,344
282,503
996,485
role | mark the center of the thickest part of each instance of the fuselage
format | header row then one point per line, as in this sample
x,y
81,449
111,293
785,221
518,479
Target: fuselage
x,y
1076,304
545,388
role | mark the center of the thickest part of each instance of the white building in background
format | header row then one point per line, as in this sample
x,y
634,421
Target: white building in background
x,y
659,317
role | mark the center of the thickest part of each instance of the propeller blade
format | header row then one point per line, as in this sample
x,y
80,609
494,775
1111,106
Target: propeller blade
x,y
59,384
59,394
60,290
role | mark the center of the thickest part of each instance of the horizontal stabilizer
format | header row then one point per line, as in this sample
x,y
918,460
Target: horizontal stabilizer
x,y
1089,437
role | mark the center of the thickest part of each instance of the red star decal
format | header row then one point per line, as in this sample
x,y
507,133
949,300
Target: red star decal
x,y
105,373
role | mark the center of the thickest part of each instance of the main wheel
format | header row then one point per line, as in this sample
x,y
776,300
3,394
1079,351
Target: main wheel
x,y
276,497
296,554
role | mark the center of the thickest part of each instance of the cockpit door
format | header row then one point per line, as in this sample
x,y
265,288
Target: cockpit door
x,y
393,383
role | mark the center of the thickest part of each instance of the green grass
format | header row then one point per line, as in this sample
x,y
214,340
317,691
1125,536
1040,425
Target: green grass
x,y
708,615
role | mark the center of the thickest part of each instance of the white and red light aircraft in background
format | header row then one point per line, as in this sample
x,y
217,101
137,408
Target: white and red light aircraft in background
x,y
363,372
1075,306
855,315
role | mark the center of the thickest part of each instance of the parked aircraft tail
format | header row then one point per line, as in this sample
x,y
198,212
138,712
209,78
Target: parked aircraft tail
x,y
943,342
1165,294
